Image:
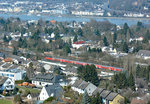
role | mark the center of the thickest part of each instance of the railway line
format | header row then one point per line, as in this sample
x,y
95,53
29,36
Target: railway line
x,y
84,64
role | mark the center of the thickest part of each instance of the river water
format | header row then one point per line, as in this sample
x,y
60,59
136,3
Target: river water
x,y
117,21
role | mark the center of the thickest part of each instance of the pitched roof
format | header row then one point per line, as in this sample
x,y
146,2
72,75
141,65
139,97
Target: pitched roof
x,y
83,85
77,82
98,90
55,89
2,80
49,78
111,96
79,42
34,95
105,93
144,53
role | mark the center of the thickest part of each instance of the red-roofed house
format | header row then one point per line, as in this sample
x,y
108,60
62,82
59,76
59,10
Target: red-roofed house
x,y
53,21
78,44
138,101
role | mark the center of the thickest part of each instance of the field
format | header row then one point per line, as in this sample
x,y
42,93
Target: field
x,y
5,101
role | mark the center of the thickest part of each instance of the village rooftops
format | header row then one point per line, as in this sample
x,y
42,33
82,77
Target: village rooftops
x,y
105,93
83,85
13,70
54,89
111,96
77,83
98,90
144,53
48,78
79,42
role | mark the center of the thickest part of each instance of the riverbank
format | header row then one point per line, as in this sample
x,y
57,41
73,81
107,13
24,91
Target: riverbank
x,y
70,18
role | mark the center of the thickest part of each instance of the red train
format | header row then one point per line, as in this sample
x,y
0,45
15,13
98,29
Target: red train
x,y
84,64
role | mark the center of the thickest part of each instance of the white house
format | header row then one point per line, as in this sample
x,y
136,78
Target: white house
x,y
81,86
52,35
78,44
48,79
145,54
6,83
14,74
55,91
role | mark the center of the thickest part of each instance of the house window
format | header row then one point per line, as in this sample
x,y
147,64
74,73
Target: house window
x,y
11,75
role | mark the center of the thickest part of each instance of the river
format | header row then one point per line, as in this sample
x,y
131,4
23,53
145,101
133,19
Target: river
x,y
117,21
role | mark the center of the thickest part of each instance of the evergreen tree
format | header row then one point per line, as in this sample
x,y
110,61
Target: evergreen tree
x,y
15,90
105,41
85,98
125,47
120,80
43,70
96,32
88,73
70,42
131,81
114,37
15,51
125,28
139,26
5,38
80,32
75,38
137,70
67,49
147,35
26,79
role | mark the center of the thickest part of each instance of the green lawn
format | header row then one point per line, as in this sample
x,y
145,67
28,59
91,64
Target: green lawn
x,y
28,89
5,101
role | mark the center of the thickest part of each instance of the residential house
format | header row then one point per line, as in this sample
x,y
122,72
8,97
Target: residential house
x,y
145,54
14,74
114,98
67,38
97,91
48,79
103,95
81,86
33,96
138,101
17,59
6,83
70,71
108,97
54,90
78,44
